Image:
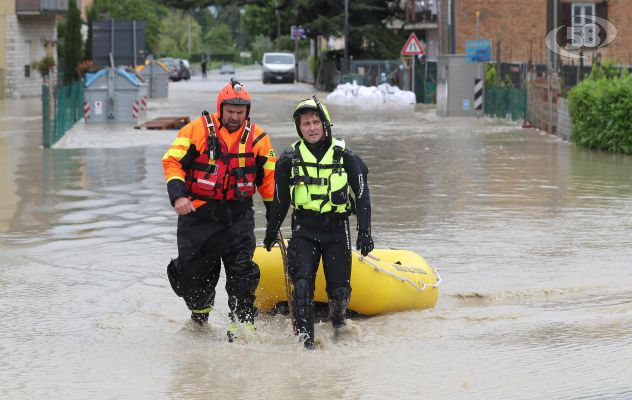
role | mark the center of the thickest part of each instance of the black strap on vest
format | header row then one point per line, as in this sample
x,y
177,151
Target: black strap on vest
x,y
308,180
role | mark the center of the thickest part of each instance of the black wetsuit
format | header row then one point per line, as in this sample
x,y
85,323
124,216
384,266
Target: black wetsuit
x,y
316,235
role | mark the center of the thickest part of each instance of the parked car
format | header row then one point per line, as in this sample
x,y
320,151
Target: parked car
x,y
226,69
277,67
178,69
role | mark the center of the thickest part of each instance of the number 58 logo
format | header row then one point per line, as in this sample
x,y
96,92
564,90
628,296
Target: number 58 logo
x,y
582,36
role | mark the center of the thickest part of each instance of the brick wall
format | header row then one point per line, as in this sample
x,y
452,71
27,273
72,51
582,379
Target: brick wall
x,y
18,32
620,14
538,102
519,25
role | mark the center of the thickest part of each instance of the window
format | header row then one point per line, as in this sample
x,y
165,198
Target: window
x,y
584,32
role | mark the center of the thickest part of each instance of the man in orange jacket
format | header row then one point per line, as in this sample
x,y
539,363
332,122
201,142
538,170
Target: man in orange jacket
x,y
213,169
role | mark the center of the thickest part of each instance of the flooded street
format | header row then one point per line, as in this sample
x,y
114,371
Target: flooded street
x,y
532,237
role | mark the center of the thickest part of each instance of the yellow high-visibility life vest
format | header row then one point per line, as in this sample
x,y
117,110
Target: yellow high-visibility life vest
x,y
320,186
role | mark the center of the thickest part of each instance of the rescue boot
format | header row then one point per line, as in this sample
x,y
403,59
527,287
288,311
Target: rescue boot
x,y
338,309
304,313
231,331
200,317
305,328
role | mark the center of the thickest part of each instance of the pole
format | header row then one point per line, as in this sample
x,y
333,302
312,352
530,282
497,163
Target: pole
x,y
288,281
296,58
479,114
134,33
345,67
112,42
452,19
277,12
413,79
190,36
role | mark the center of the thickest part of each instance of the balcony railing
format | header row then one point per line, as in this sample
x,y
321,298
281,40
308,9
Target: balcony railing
x,y
421,11
41,7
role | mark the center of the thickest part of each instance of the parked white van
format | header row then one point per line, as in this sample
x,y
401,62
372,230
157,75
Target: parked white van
x,y
277,67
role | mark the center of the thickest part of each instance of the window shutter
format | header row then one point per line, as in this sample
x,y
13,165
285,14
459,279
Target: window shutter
x,y
565,21
601,9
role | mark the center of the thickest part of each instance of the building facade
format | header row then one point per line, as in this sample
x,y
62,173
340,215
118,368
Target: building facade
x,y
28,33
519,28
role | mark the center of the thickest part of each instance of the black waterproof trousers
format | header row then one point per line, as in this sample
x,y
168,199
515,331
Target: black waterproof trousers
x,y
313,238
202,243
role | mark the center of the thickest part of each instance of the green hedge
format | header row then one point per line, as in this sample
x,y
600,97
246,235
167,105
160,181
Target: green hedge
x,y
601,111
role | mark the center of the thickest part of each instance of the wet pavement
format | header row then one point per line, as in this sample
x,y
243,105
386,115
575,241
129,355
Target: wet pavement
x,y
531,234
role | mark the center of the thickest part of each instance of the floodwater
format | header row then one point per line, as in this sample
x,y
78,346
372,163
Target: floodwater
x,y
532,237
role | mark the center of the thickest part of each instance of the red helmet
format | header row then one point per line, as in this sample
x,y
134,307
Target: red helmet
x,y
233,93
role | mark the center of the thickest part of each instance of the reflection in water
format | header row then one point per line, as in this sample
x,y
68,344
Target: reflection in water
x,y
532,236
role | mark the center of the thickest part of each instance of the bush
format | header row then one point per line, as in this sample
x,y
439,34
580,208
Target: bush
x,y
45,65
600,111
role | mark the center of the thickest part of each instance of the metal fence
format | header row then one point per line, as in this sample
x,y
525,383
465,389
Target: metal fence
x,y
509,103
60,111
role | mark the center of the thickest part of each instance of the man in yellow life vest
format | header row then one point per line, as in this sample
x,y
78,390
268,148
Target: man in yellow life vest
x,y
316,176
213,169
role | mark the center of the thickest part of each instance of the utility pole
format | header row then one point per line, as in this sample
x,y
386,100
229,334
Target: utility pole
x,y
278,18
479,65
190,36
345,66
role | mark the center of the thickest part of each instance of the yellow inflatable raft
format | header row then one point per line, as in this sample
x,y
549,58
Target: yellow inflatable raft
x,y
384,281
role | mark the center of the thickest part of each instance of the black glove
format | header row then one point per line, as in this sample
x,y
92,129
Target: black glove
x,y
364,244
269,241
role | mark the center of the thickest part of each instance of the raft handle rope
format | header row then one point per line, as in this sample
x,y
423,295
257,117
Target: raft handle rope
x,y
378,268
288,281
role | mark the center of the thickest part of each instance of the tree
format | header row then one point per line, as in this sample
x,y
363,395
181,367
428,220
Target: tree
x,y
174,35
368,34
92,16
260,18
73,42
220,40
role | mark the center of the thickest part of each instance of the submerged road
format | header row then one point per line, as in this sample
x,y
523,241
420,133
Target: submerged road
x,y
532,236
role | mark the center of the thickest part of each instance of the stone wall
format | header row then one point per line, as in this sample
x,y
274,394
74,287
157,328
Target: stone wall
x,y
37,30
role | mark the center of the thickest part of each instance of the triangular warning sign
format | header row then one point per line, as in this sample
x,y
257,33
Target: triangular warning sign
x,y
412,46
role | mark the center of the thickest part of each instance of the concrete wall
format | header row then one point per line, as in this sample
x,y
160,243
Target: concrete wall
x,y
520,25
304,72
564,123
26,42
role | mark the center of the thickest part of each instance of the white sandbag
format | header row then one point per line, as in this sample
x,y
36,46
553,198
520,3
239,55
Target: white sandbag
x,y
352,93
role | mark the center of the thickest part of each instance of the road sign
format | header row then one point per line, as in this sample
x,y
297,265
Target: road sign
x,y
298,32
478,50
413,46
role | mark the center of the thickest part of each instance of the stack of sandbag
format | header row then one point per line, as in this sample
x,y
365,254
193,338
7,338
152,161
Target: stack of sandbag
x,y
352,93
